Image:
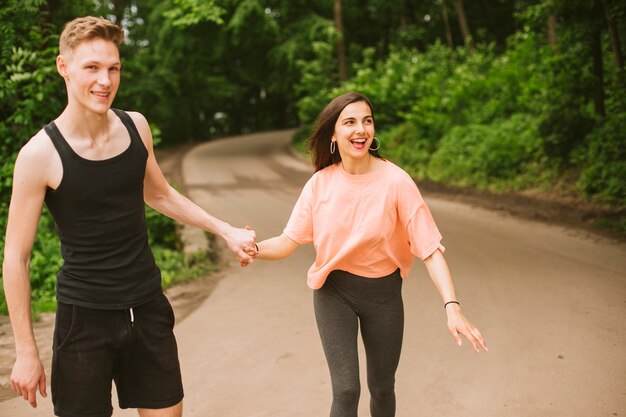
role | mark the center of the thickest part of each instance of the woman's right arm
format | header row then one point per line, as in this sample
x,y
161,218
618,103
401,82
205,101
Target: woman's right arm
x,y
276,248
300,224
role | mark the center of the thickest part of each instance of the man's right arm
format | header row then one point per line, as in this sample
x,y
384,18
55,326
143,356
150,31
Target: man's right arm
x,y
159,195
29,186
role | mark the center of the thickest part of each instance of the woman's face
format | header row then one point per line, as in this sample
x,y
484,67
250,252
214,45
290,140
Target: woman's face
x,y
354,130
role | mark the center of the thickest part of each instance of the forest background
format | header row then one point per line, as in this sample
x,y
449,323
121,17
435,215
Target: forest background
x,y
504,96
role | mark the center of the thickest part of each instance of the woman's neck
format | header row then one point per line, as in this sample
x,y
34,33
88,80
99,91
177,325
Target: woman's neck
x,y
360,166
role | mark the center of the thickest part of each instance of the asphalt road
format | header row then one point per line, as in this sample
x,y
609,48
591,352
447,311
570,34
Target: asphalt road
x,y
551,303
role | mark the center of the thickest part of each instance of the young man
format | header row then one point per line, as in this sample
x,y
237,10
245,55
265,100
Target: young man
x,y
94,167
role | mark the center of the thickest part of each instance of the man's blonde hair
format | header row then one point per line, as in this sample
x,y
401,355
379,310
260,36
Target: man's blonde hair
x,y
87,28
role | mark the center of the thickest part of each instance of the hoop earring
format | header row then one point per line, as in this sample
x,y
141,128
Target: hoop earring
x,y
333,146
377,147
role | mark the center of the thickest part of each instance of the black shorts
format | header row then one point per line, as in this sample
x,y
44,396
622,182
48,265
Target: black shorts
x,y
136,348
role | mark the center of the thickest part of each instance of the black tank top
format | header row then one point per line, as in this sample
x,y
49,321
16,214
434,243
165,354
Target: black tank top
x,y
100,216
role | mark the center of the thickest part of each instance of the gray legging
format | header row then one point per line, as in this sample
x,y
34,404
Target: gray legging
x,y
344,301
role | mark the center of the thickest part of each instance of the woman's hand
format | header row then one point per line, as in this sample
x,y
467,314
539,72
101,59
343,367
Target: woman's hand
x,y
251,251
459,325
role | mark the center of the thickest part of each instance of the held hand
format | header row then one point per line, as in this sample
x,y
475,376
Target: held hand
x,y
28,375
238,240
458,324
251,251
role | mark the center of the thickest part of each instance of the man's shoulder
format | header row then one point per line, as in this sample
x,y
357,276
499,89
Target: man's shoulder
x,y
138,118
141,123
36,161
38,148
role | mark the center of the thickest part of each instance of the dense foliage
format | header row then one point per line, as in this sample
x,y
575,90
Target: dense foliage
x,y
527,94
490,119
523,116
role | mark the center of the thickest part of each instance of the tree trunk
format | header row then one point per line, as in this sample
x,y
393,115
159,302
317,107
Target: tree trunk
x,y
614,35
465,30
403,17
552,40
341,47
598,71
446,24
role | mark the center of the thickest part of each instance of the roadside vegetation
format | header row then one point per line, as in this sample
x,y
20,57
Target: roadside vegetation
x,y
504,96
495,120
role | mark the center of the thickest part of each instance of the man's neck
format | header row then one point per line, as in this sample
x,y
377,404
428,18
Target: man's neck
x,y
82,123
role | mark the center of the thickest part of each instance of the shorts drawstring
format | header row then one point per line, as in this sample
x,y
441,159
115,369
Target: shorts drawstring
x,y
132,316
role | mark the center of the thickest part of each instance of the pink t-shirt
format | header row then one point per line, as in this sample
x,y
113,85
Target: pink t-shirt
x,y
368,225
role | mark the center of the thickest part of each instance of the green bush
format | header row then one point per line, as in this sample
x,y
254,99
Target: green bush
x,y
511,120
176,269
604,167
406,147
161,230
503,155
168,254
45,262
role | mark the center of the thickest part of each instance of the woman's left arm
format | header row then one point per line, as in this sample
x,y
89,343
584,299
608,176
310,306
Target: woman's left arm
x,y
457,323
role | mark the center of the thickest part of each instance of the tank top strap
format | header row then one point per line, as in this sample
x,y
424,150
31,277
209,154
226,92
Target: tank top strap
x,y
59,142
135,137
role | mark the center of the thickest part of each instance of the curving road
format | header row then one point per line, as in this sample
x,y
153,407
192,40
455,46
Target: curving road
x,y
551,303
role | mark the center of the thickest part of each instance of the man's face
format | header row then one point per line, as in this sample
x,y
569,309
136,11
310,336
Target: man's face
x,y
92,74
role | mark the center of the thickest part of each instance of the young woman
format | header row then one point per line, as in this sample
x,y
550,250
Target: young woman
x,y
366,219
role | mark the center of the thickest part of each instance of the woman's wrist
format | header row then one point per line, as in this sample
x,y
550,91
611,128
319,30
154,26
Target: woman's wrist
x,y
451,302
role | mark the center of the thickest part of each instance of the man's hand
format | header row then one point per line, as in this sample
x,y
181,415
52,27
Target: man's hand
x,y
28,375
238,240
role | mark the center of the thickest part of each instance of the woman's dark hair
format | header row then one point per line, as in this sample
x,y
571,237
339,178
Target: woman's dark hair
x,y
319,141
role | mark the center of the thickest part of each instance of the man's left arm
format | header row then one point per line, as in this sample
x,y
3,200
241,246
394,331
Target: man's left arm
x,y
159,195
